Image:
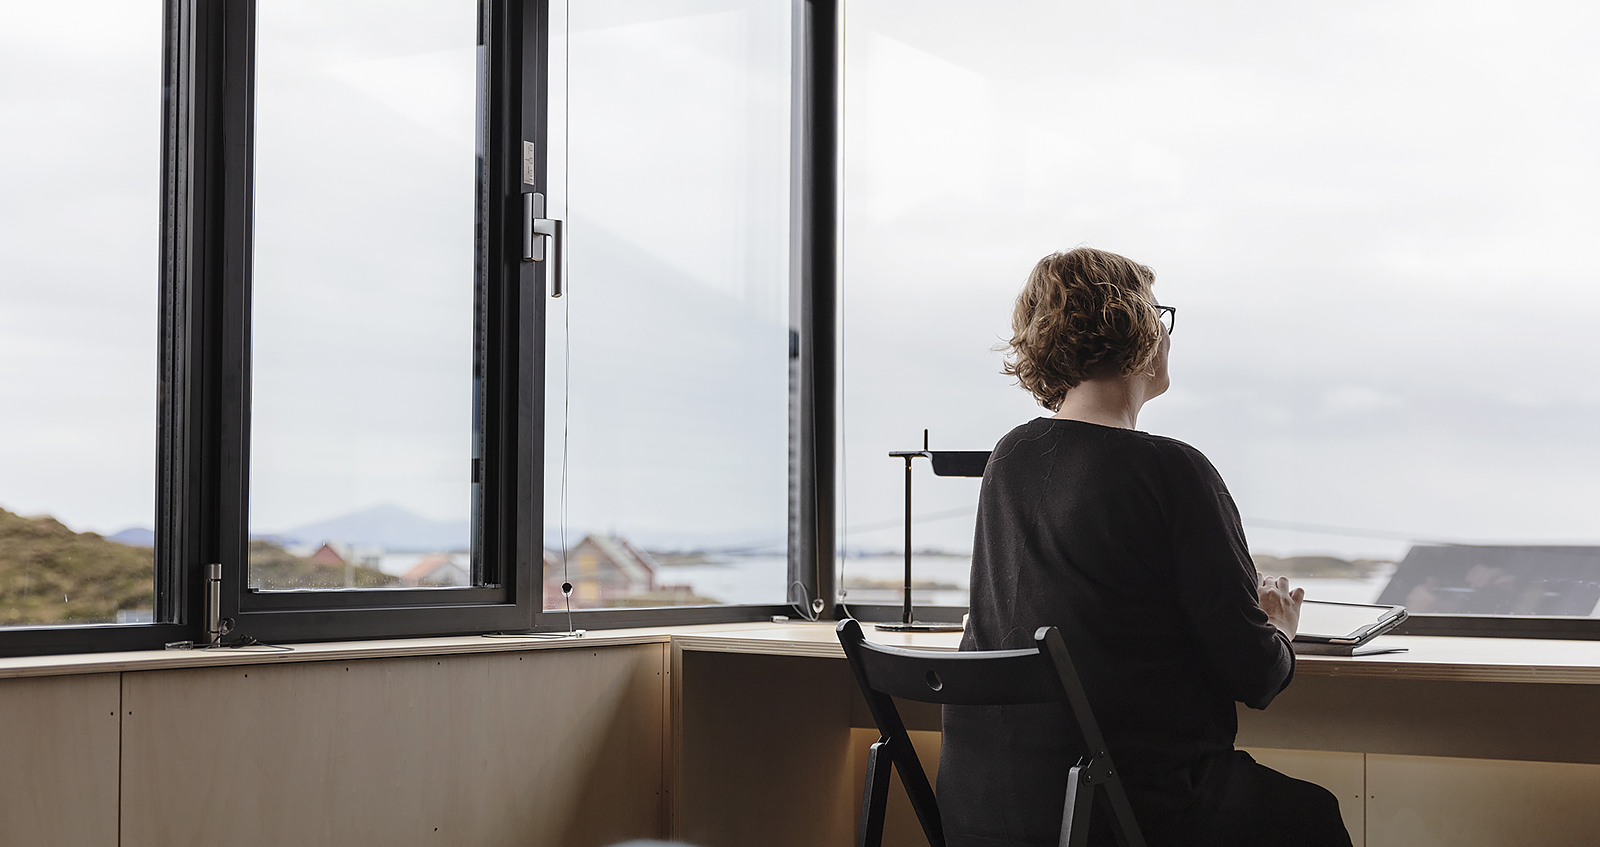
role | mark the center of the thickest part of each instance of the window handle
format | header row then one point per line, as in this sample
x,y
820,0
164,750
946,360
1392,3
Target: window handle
x,y
535,228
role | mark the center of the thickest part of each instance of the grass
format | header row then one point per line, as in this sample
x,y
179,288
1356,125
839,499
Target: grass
x,y
50,574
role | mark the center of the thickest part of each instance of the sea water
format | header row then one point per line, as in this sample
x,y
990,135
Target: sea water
x,y
937,580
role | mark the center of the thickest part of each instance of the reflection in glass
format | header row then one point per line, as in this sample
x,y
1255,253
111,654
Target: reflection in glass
x,y
80,159
669,357
1376,220
363,293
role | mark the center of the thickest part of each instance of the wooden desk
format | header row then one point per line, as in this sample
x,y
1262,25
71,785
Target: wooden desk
x,y
722,736
1426,658
1455,742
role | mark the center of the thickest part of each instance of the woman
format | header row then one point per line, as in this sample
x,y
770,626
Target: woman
x,y
1130,543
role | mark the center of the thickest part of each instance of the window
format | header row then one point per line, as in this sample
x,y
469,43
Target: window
x,y
332,381
80,210
365,366
671,391
265,301
1373,219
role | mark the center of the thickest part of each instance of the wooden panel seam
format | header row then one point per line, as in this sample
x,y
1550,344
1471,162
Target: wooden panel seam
x,y
121,724
673,775
668,709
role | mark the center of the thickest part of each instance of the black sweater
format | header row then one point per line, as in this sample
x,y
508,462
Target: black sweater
x,y
1131,544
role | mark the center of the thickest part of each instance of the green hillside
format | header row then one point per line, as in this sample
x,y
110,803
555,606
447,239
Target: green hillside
x,y
50,574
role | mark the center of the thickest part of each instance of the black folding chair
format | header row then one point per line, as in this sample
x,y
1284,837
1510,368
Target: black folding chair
x,y
1042,674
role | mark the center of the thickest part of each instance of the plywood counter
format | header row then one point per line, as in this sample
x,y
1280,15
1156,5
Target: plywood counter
x,y
720,736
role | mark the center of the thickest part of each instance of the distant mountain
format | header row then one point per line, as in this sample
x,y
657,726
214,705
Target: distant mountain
x,y
135,536
385,525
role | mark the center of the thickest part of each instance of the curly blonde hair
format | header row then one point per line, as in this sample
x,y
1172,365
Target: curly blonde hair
x,y
1083,313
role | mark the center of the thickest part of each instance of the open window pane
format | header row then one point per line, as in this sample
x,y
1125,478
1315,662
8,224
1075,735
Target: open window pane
x,y
363,427
1376,221
669,363
80,166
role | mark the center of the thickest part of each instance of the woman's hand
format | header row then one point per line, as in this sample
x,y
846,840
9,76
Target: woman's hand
x,y
1281,605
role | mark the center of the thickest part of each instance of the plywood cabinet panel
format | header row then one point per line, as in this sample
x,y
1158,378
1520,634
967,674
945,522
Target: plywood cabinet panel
x,y
1425,801
1475,720
558,747
765,751
58,761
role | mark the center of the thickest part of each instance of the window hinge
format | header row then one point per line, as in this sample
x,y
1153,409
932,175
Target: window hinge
x,y
214,630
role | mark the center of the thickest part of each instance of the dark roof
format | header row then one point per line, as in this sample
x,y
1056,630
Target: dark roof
x,y
1493,580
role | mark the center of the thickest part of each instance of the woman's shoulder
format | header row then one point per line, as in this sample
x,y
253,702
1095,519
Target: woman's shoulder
x,y
1166,444
1182,456
1022,436
1044,435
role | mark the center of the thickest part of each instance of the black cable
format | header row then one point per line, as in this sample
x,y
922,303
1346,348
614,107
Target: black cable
x,y
246,642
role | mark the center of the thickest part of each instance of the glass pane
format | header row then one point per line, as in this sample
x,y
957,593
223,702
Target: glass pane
x,y
667,446
366,178
1375,219
80,168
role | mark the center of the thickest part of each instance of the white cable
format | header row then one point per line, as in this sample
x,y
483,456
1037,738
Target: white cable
x,y
840,521
566,339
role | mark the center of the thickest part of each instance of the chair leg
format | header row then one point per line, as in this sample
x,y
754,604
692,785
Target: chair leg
x,y
1122,820
1080,802
875,797
915,781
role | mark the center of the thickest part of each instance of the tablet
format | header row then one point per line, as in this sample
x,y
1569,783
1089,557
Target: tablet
x,y
1339,627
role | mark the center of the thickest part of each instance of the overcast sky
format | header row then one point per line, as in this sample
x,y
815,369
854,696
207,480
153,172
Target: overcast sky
x,y
80,147
1375,219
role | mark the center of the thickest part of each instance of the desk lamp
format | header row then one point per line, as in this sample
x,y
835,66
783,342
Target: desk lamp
x,y
945,463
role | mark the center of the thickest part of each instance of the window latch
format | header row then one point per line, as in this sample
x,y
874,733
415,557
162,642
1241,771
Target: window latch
x,y
535,228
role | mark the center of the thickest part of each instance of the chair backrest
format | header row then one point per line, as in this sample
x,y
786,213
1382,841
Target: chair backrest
x,y
1043,673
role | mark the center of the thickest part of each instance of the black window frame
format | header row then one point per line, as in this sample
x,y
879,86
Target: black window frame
x,y
193,173
204,385
518,31
512,376
814,245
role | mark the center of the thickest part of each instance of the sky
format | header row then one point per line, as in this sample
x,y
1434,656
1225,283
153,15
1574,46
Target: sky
x,y
1374,220
80,146
668,368
365,207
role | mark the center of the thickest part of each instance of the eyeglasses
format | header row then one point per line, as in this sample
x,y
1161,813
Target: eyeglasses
x,y
1167,315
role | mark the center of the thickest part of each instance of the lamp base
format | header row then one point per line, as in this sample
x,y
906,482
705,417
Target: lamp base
x,y
918,627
